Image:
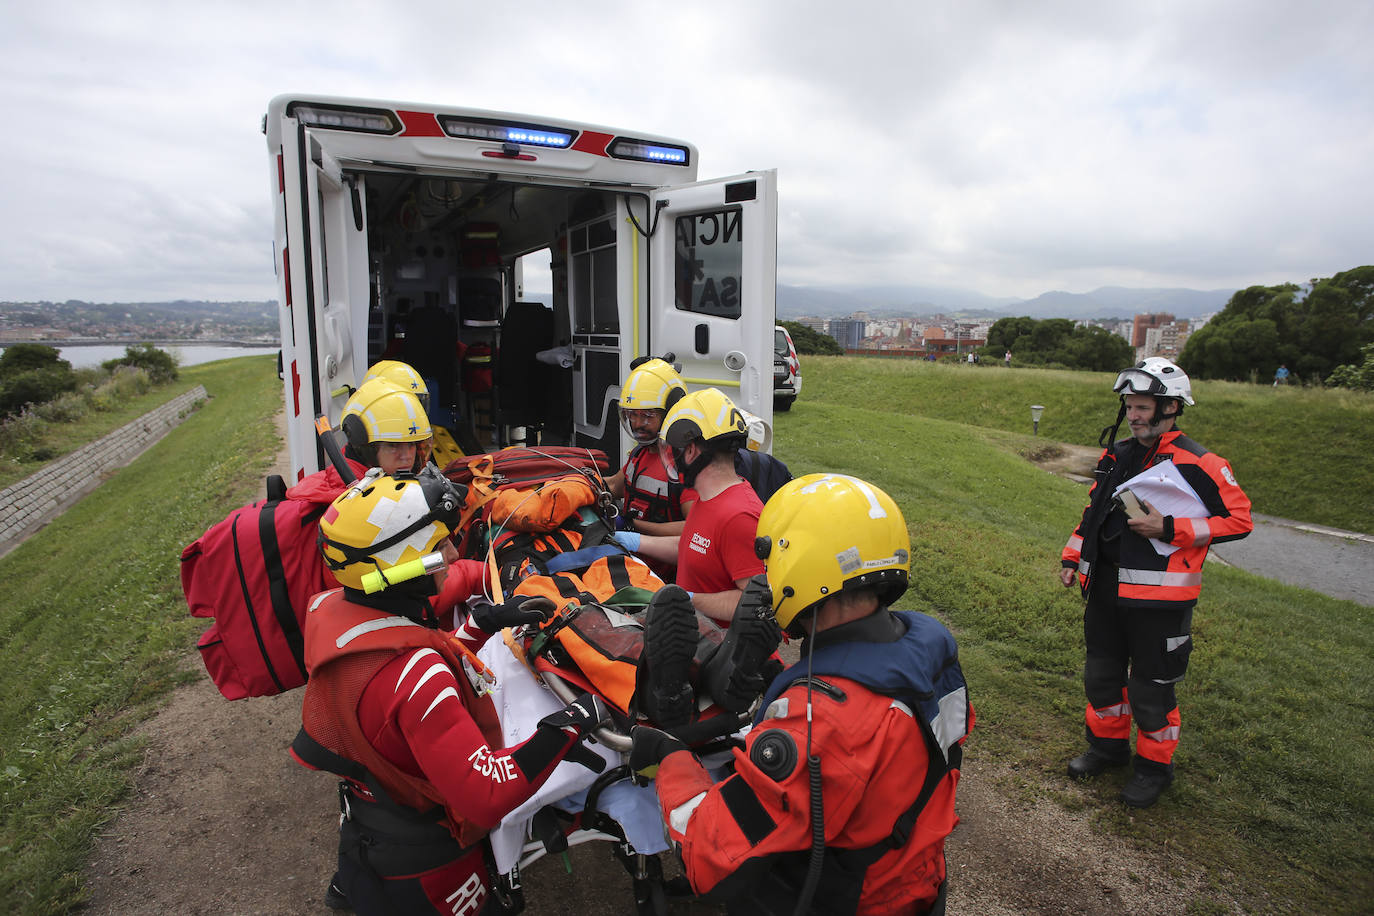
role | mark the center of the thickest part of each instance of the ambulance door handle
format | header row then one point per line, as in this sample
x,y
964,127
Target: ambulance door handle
x,y
703,339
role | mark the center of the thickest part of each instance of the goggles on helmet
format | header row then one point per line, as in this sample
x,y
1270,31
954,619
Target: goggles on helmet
x,y
1134,381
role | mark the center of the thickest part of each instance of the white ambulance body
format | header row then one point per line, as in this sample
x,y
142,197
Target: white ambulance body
x,y
386,212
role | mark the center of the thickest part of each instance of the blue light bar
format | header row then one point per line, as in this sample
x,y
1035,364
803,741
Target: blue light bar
x,y
645,151
503,132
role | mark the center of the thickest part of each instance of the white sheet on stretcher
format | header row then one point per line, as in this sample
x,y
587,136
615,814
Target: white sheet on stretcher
x,y
521,701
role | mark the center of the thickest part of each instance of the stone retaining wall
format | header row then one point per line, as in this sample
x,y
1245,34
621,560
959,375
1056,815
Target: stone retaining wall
x,y
38,499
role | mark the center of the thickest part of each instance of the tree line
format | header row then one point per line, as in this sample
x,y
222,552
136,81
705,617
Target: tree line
x,y
1321,334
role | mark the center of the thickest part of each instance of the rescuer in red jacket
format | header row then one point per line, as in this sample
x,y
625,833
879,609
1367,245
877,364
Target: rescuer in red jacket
x,y
396,706
841,799
1140,593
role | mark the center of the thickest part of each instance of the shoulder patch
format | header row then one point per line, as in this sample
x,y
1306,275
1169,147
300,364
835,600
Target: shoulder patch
x,y
775,754
1230,478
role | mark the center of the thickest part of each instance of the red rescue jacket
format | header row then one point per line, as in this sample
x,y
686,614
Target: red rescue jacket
x,y
1144,576
338,675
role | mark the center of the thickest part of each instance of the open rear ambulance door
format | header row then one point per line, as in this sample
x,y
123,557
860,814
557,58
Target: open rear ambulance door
x,y
327,235
713,284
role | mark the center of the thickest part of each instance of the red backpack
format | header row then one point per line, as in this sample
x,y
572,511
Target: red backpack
x,y
255,573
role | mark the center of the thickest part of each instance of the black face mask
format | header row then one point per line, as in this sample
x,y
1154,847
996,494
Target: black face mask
x,y
689,471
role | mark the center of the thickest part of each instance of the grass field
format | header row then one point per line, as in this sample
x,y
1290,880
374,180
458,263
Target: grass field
x,y
94,630
1300,453
1275,793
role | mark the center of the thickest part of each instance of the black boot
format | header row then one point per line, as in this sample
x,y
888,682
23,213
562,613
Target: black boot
x,y
1093,761
733,677
1146,784
670,641
335,898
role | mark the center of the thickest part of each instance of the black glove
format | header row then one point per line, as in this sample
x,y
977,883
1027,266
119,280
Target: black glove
x,y
585,713
757,599
648,747
493,618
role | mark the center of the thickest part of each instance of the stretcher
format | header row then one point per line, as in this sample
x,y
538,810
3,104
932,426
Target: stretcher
x,y
592,644
578,805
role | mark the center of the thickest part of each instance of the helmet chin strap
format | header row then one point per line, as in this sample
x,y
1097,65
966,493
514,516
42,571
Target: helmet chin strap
x,y
1108,434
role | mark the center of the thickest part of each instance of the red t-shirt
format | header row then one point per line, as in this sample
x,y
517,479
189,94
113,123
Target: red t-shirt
x,y
717,545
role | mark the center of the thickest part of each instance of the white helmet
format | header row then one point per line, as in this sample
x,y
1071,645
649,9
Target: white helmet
x,y
1157,376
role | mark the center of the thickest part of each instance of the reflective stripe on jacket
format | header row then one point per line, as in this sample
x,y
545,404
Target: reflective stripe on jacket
x,y
346,644
1145,577
653,492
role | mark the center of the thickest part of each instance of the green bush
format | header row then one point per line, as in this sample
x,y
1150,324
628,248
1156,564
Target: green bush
x,y
160,365
18,434
34,386
24,357
1358,377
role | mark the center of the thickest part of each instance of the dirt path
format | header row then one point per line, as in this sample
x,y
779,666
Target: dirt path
x,y
222,822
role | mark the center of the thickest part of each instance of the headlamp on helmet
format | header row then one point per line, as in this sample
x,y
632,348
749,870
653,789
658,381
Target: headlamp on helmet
x,y
823,534
380,522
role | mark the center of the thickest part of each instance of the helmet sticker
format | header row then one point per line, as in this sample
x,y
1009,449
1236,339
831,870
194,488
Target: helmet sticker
x,y
849,560
393,514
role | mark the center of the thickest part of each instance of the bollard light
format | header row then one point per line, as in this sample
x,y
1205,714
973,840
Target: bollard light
x,y
1036,411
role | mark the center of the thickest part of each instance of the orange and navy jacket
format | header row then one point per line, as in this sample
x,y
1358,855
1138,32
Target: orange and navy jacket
x,y
471,776
749,835
1145,577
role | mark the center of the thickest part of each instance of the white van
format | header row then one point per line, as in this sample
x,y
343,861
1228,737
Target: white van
x,y
786,370
405,230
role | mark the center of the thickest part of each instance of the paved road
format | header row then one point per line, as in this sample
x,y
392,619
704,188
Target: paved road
x,y
1333,562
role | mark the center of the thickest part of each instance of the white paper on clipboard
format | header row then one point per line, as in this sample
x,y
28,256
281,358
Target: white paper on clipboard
x,y
1163,487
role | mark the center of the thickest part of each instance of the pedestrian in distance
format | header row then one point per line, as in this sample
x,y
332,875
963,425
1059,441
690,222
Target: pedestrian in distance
x,y
843,794
1281,375
1141,576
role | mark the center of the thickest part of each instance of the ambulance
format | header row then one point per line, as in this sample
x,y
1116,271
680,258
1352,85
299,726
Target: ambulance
x,y
408,231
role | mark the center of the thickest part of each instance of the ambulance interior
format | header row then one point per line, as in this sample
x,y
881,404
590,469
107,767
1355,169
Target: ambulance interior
x,y
448,259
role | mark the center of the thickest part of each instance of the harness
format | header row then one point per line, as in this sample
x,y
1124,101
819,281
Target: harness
x,y
652,506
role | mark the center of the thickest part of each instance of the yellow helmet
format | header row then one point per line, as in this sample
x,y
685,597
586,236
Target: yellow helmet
x,y
708,416
380,522
402,376
380,412
653,384
824,533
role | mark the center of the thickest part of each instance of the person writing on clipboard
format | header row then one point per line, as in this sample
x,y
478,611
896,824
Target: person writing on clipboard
x,y
1141,576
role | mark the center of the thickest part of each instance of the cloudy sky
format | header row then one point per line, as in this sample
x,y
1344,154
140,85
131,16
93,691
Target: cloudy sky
x,y
993,145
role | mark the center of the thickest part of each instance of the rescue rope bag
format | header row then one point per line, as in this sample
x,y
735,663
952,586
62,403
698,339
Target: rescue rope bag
x,y
255,572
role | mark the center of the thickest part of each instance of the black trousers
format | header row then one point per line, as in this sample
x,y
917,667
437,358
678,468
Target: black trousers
x,y
1143,651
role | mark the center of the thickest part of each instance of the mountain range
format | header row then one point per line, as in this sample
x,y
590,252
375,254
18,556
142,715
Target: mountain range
x,y
910,301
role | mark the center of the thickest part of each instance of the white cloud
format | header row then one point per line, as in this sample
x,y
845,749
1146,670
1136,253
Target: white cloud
x,y
1000,146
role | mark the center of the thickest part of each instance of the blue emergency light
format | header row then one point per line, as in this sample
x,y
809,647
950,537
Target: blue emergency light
x,y
499,132
645,151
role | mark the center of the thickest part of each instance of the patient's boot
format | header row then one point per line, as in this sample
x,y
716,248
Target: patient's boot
x,y
734,675
670,640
